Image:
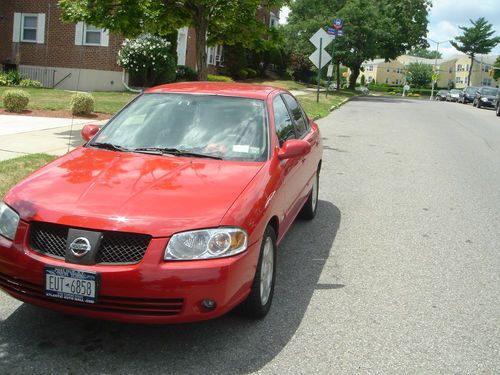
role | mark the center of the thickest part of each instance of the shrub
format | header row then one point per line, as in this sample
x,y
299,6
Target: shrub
x,y
82,103
186,73
3,79
242,74
15,100
216,78
251,73
13,77
149,58
30,83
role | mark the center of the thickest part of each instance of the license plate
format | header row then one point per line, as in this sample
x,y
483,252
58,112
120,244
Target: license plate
x,y
72,285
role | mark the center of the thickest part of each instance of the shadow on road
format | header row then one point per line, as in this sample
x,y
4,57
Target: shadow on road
x,y
385,99
33,339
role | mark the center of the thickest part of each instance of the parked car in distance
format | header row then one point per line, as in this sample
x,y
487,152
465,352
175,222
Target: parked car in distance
x,y
497,103
467,95
172,212
441,95
453,95
485,97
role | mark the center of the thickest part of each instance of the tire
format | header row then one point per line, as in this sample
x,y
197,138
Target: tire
x,y
259,300
497,108
478,105
309,209
474,103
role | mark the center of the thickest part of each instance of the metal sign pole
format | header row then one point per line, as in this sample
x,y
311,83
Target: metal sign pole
x,y
319,68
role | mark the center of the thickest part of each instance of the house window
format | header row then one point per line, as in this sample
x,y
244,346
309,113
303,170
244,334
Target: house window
x,y
466,79
211,55
88,35
30,25
457,80
93,35
450,69
387,80
370,79
370,68
388,70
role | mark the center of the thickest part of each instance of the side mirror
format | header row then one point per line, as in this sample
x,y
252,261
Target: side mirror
x,y
294,148
89,131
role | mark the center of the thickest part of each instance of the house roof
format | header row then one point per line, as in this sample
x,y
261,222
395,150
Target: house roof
x,y
373,62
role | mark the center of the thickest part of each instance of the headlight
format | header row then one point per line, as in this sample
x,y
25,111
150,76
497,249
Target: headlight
x,y
206,244
483,99
9,220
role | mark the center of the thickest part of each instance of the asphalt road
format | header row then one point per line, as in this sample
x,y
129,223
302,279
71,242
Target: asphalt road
x,y
399,273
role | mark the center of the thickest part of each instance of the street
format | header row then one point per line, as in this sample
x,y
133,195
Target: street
x,y
399,272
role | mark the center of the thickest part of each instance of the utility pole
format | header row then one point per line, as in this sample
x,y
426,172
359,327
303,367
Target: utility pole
x,y
435,64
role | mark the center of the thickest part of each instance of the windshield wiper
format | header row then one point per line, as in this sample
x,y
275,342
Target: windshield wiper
x,y
173,151
109,146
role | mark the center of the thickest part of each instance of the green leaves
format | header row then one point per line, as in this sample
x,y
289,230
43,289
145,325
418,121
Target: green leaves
x,y
419,74
477,39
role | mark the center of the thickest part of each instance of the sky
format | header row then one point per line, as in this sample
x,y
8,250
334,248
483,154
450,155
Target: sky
x,y
446,15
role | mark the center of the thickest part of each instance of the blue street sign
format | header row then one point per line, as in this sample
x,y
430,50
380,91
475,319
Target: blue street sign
x,y
338,23
340,32
331,31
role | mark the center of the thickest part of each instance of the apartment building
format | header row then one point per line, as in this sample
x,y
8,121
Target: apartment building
x,y
452,71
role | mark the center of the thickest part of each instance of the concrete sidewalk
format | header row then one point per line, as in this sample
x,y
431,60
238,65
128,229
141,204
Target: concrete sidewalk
x,y
14,124
29,135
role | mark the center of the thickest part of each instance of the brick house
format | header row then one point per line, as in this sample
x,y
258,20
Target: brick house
x,y
78,56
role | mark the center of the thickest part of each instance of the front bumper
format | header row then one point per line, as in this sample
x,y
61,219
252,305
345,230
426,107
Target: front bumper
x,y
152,291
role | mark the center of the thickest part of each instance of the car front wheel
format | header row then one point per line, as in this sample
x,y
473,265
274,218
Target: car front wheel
x,y
498,108
259,300
478,105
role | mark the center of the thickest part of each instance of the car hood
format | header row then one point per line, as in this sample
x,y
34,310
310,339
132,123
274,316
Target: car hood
x,y
108,190
489,97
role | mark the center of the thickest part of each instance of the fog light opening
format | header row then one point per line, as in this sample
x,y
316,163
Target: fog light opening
x,y
208,305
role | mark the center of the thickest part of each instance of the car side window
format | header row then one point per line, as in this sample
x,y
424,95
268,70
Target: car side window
x,y
300,122
282,121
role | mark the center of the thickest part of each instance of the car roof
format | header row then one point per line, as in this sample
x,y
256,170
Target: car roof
x,y
245,90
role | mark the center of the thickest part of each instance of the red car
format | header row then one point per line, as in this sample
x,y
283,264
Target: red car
x,y
172,212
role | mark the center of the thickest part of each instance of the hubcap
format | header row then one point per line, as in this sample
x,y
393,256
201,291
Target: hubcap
x,y
266,271
314,197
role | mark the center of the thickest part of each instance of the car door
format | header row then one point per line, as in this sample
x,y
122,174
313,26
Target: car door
x,y
305,167
288,190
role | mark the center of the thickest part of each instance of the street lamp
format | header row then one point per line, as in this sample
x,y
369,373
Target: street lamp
x,y
435,63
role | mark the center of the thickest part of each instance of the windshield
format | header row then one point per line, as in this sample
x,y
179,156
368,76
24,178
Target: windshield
x,y
470,89
490,91
231,128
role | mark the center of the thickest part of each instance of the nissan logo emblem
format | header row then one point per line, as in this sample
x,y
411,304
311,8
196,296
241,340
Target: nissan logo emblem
x,y
80,247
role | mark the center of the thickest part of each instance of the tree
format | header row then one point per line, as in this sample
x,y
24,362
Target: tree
x,y
419,74
496,72
477,39
215,21
425,53
383,28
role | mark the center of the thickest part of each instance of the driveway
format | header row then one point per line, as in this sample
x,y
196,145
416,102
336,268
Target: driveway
x,y
20,135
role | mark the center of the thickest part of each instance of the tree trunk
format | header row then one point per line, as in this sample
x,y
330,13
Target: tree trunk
x,y
201,28
470,70
354,76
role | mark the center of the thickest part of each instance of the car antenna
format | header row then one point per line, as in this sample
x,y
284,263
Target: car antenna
x,y
77,88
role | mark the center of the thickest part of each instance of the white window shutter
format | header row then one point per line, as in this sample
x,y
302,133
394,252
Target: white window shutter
x,y
40,29
105,38
79,34
16,32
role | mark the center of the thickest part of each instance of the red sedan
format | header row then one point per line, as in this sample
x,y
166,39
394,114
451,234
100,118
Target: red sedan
x,y
172,212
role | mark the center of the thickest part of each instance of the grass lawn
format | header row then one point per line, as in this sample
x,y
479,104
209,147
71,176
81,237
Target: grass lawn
x,y
14,170
111,102
322,108
54,99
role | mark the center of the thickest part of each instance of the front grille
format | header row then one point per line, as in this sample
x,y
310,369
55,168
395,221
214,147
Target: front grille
x,y
115,248
124,305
